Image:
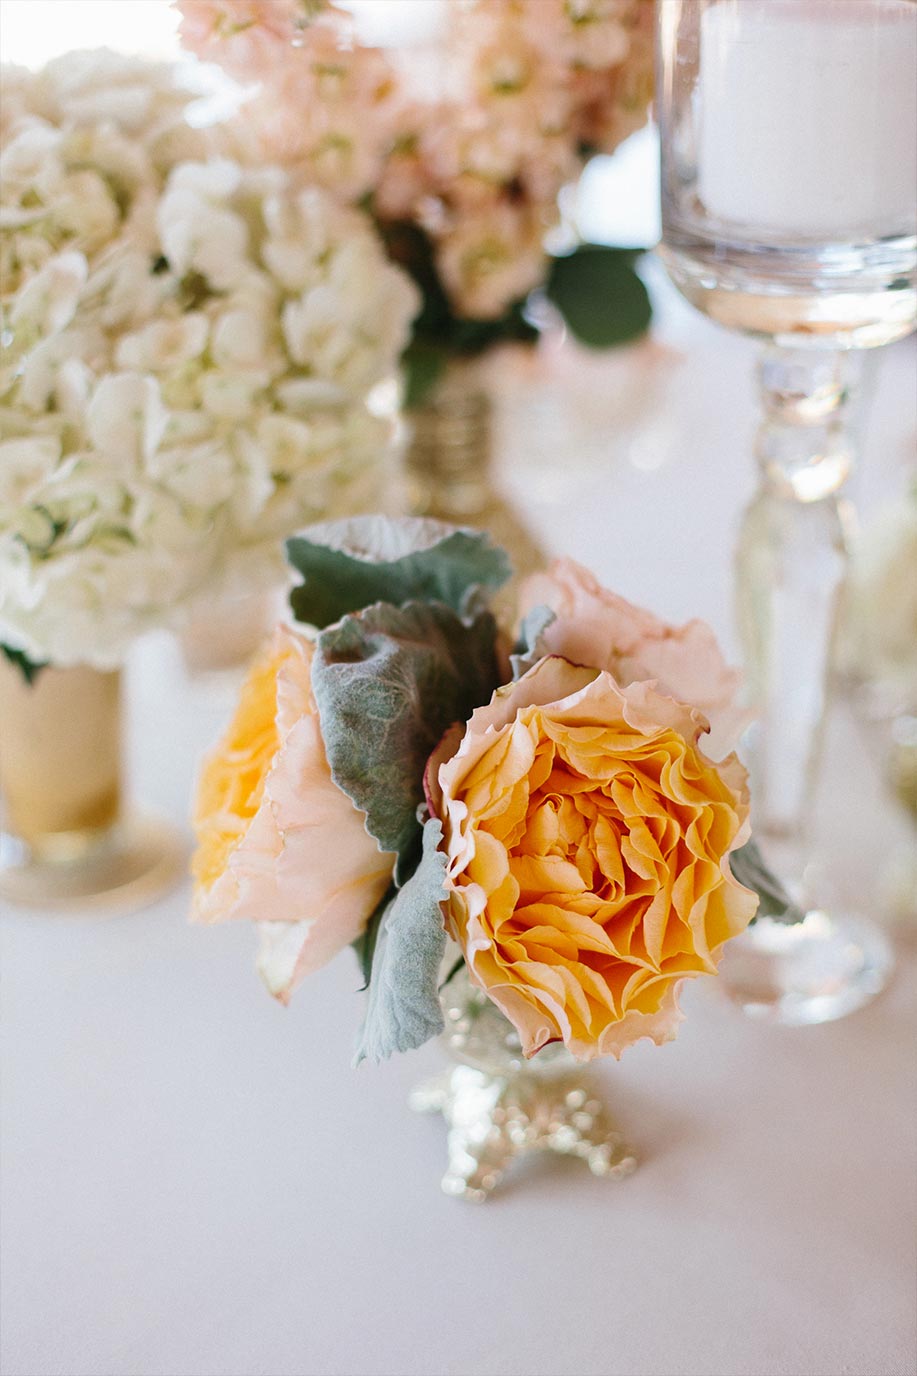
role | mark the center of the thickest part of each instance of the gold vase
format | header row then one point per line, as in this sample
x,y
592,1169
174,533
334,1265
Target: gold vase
x,y
65,837
449,447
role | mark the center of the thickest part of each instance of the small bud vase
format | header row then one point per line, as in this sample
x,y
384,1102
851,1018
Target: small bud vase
x,y
448,468
449,446
65,836
498,1106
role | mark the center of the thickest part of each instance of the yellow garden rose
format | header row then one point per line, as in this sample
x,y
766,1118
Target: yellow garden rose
x,y
278,842
588,838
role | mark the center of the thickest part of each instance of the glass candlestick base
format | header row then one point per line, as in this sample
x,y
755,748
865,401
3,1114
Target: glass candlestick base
x,y
498,1106
808,972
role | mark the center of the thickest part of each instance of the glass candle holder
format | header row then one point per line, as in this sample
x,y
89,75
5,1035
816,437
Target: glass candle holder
x,y
789,170
789,200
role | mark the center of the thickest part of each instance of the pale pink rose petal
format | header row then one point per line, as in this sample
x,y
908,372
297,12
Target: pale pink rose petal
x,y
306,859
596,627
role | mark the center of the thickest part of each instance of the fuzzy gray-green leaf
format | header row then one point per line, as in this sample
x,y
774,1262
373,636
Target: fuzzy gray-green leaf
x,y
389,682
404,1010
347,565
530,646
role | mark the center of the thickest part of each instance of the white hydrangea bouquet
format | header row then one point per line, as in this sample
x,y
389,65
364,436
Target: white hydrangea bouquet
x,y
189,339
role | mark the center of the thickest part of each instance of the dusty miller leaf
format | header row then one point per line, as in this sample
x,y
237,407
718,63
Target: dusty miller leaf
x,y
404,1010
388,683
749,869
347,565
530,646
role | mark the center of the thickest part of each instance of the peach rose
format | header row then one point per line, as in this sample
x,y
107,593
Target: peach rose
x,y
278,842
588,840
596,627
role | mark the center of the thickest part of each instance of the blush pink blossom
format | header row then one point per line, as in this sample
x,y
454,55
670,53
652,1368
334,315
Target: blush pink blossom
x,y
492,257
523,88
279,844
242,35
596,627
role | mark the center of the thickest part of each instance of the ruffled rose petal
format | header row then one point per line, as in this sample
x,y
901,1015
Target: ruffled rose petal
x,y
305,861
596,627
563,776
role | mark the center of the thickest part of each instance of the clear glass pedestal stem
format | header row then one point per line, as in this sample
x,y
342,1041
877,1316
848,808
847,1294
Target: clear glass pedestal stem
x,y
790,568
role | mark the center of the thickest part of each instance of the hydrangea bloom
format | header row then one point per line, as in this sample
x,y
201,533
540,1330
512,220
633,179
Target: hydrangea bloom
x,y
189,342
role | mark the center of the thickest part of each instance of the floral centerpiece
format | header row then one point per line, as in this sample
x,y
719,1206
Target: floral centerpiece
x,y
569,812
461,153
189,341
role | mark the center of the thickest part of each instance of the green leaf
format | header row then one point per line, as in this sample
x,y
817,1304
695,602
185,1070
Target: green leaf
x,y
347,565
404,1009
423,364
365,944
29,668
748,868
623,253
388,683
530,646
452,972
600,296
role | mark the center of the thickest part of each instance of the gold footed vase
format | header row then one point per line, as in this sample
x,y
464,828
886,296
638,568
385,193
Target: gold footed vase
x,y
66,838
500,1107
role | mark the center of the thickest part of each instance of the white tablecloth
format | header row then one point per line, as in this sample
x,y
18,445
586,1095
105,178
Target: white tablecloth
x,y
195,1182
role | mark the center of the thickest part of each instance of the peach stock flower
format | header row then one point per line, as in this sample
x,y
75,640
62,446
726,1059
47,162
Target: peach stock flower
x,y
588,840
244,35
596,627
471,136
492,256
278,842
330,109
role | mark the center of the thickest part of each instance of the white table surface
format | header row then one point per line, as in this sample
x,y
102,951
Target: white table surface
x,y
195,1182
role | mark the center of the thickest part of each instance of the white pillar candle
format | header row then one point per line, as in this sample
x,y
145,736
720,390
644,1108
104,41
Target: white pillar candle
x,y
808,117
